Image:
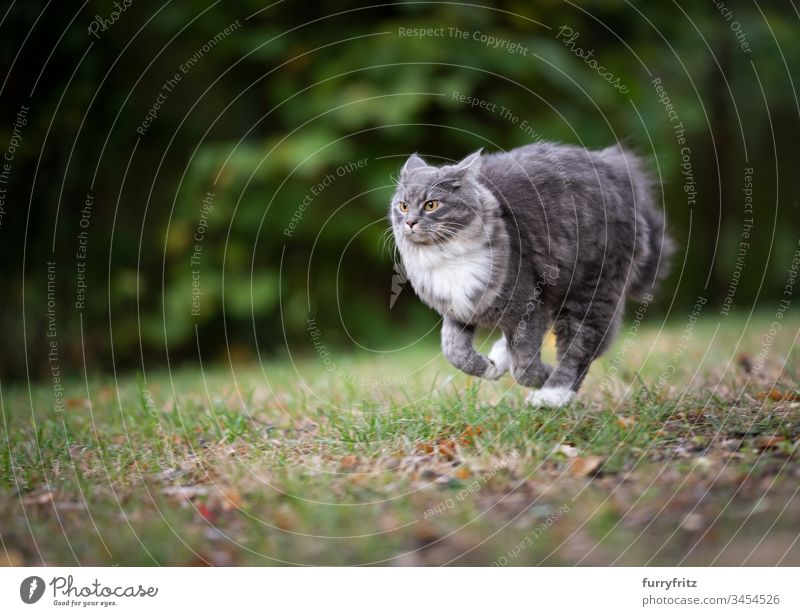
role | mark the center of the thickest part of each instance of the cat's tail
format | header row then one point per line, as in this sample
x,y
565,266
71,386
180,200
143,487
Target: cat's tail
x,y
654,247
652,263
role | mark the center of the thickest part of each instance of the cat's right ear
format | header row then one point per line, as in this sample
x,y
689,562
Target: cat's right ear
x,y
414,162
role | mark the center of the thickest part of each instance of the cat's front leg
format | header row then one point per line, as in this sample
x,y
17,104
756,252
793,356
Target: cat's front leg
x,y
457,346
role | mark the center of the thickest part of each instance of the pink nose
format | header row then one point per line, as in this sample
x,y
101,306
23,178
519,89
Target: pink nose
x,y
411,223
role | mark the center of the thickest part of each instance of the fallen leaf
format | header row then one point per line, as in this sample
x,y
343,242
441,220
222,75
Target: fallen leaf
x,y
626,423
463,473
767,442
447,448
284,519
777,395
585,466
349,462
231,499
425,448
468,435
443,447
472,431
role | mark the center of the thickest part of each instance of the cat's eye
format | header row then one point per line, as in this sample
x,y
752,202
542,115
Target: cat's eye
x,y
430,205
403,206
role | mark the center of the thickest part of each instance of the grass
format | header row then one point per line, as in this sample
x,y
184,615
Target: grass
x,y
678,451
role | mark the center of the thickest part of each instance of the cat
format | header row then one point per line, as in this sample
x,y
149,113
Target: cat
x,y
545,235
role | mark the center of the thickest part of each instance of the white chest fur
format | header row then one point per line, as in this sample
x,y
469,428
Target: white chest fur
x,y
452,278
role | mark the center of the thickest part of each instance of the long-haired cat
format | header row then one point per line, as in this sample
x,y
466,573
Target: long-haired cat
x,y
544,235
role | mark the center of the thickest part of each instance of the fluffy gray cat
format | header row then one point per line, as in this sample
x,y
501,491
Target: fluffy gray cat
x,y
544,235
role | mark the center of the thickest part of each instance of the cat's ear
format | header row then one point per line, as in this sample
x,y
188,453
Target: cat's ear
x,y
471,164
413,162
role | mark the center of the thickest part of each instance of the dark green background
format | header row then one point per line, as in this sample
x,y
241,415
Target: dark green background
x,y
303,88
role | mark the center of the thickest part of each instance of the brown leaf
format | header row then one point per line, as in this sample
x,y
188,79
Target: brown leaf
x,y
472,431
442,446
584,466
447,448
463,473
349,462
626,423
468,435
284,519
768,442
426,448
777,395
231,499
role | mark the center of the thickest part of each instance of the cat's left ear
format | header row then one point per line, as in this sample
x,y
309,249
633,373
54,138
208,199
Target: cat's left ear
x,y
471,164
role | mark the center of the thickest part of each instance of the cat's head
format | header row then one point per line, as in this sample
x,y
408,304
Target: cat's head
x,y
434,205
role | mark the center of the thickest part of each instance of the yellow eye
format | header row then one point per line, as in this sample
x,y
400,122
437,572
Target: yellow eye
x,y
430,205
403,206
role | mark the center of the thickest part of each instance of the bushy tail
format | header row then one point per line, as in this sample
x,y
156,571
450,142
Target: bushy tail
x,y
652,263
654,248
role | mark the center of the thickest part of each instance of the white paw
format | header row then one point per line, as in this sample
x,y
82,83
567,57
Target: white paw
x,y
493,371
550,396
499,355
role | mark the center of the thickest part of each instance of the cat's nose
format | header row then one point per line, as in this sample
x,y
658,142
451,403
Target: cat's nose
x,y
411,222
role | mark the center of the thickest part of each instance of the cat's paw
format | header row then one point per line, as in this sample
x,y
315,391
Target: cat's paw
x,y
493,371
499,355
552,397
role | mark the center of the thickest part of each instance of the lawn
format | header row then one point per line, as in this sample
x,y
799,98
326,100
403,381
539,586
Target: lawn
x,y
681,449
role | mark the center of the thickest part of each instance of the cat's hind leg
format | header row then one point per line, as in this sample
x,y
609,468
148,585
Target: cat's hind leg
x,y
581,336
524,351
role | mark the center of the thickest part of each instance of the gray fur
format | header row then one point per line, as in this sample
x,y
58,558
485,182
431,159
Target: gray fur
x,y
550,235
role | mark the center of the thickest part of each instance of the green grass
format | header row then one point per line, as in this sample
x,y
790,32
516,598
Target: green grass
x,y
397,458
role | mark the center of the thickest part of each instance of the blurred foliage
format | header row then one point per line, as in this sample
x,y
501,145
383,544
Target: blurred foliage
x,y
295,93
